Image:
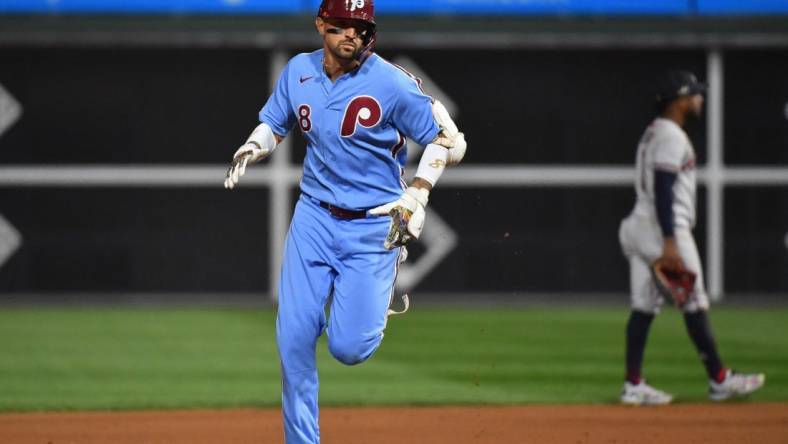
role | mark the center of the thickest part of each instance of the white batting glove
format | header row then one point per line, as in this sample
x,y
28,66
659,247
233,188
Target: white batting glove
x,y
250,152
457,151
450,136
407,217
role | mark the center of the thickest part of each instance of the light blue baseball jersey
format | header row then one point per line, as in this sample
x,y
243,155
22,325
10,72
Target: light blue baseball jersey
x,y
355,130
355,127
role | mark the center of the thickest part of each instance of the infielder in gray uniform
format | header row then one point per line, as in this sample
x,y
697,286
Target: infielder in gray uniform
x,y
660,229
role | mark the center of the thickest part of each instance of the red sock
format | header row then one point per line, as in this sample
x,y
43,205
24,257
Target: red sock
x,y
721,375
633,378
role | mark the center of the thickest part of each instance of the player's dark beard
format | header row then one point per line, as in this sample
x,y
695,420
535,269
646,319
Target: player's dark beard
x,y
341,55
692,117
693,124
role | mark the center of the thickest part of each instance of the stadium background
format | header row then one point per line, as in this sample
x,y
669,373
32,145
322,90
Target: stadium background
x,y
117,120
129,111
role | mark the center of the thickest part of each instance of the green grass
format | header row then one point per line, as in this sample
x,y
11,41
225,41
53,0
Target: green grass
x,y
79,359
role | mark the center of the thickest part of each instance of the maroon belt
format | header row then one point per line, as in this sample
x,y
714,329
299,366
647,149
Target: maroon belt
x,y
341,213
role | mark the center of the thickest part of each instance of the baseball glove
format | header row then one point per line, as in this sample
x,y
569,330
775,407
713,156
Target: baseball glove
x,y
677,285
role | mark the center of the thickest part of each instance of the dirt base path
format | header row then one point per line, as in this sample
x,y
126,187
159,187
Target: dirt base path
x,y
699,423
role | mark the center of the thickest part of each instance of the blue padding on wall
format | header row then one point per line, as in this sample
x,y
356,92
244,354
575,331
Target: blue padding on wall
x,y
498,7
153,6
742,7
405,7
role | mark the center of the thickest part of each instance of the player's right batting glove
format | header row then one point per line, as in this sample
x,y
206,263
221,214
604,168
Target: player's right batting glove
x,y
249,152
675,284
407,217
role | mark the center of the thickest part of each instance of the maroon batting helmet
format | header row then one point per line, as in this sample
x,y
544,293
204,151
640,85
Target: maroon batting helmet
x,y
363,10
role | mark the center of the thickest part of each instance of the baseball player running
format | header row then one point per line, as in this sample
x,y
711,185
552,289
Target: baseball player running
x,y
355,213
659,231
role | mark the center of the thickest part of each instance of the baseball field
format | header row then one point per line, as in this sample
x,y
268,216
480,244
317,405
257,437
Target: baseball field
x,y
441,376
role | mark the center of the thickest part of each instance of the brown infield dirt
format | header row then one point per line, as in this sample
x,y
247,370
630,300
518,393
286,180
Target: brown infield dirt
x,y
762,423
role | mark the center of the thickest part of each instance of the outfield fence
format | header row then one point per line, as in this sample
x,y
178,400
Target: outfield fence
x,y
533,210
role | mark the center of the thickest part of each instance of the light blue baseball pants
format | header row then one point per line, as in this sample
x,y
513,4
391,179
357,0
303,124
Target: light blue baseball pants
x,y
328,256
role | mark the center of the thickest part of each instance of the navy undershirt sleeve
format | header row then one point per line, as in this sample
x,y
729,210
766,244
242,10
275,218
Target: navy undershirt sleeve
x,y
663,193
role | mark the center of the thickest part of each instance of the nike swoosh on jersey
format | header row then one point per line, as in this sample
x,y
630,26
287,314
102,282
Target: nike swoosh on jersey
x,y
304,78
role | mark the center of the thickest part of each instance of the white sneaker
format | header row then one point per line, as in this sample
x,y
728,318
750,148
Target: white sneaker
x,y
735,384
643,394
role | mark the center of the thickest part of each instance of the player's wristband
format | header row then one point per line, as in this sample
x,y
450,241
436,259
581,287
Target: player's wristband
x,y
263,137
432,164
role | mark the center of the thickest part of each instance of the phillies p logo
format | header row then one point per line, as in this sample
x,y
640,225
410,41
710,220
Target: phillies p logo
x,y
362,110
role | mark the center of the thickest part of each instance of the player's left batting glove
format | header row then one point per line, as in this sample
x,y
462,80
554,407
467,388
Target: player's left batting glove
x,y
407,217
450,136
